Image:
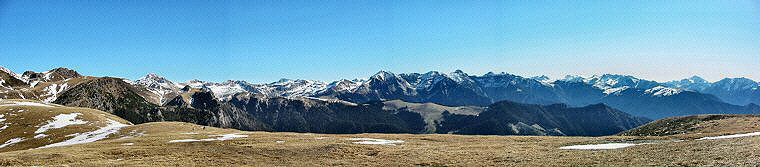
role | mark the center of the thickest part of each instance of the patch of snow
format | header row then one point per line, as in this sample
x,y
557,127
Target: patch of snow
x,y
279,141
219,138
40,136
87,137
47,76
33,84
24,103
376,141
53,90
184,140
12,141
4,127
61,121
228,136
615,91
731,136
598,146
128,144
189,133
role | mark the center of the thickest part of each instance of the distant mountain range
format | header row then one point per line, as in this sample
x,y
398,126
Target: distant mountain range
x,y
496,103
630,94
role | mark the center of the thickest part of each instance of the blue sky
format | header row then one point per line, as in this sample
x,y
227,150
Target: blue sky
x,y
263,41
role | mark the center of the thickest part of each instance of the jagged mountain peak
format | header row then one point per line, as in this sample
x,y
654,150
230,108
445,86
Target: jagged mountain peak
x,y
153,77
383,75
459,76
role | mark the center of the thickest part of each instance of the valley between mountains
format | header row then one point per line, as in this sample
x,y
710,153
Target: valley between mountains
x,y
431,119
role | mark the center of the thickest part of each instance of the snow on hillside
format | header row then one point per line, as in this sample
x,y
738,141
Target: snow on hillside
x,y
663,91
87,137
731,136
286,87
53,90
12,141
61,121
226,89
605,146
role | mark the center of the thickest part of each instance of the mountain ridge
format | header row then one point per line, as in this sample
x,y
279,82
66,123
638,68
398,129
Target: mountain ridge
x,y
461,89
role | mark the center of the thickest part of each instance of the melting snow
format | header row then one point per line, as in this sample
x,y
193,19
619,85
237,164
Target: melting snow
x,y
731,136
87,137
229,136
184,140
61,121
40,136
219,138
23,103
598,146
12,141
376,141
53,90
128,144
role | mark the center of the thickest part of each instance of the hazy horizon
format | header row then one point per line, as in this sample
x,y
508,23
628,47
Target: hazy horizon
x,y
263,41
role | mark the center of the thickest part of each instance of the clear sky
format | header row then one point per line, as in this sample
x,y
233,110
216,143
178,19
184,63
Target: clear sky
x,y
263,41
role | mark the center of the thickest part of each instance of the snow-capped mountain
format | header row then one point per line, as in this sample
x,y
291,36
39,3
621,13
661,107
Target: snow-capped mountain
x,y
284,87
287,87
543,79
163,88
224,90
695,83
631,94
740,91
614,84
663,91
341,86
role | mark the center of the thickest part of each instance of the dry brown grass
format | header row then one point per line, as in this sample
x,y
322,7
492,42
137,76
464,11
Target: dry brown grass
x,y
150,147
306,149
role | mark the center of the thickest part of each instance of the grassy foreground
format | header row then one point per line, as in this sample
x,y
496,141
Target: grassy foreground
x,y
669,142
148,145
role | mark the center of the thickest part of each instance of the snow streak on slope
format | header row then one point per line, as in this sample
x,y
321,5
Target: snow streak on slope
x,y
12,141
598,146
61,121
731,136
87,137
